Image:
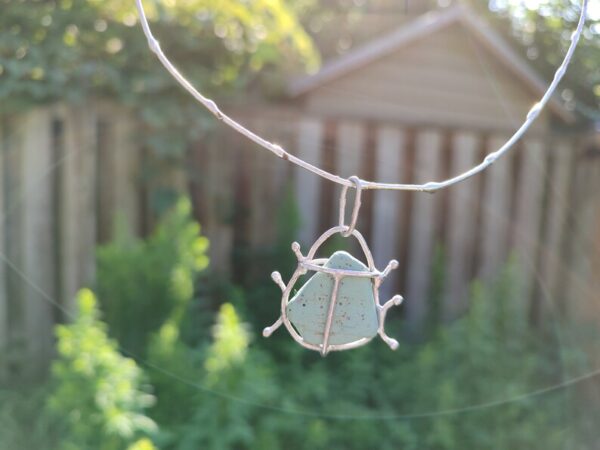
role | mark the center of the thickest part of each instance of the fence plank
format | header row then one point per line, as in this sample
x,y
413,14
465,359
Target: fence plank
x,y
88,195
3,287
495,212
13,226
349,161
582,239
387,226
37,237
126,165
268,182
78,191
462,226
307,185
428,147
219,191
552,261
69,222
351,140
532,173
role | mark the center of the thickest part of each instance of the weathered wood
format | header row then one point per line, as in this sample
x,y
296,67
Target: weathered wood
x,y
350,150
260,208
126,159
593,290
552,258
88,195
582,239
268,183
307,185
219,184
37,238
69,222
495,213
78,191
3,288
387,226
530,185
462,225
417,84
105,184
428,147
13,228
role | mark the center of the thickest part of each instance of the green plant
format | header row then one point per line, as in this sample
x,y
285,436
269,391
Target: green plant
x,y
492,354
23,425
98,399
234,379
144,283
468,384
77,51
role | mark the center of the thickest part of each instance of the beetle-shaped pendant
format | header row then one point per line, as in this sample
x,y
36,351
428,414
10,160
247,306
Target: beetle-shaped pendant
x,y
338,308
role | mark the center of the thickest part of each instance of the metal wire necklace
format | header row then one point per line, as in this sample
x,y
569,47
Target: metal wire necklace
x,y
339,308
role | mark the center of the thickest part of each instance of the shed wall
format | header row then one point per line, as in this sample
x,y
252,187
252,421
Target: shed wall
x,y
446,79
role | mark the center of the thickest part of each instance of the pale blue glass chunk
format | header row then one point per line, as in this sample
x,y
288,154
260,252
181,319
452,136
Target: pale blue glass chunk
x,y
355,314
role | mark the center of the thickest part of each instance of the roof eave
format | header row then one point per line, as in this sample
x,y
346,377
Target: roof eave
x,y
365,54
514,62
421,27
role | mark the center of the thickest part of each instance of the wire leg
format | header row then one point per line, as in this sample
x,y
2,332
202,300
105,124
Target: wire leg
x,y
393,265
268,331
276,276
395,301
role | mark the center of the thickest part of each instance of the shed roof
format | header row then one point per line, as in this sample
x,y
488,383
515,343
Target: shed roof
x,y
422,27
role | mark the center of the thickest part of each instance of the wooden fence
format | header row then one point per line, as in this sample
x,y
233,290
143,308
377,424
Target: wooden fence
x,y
538,203
67,173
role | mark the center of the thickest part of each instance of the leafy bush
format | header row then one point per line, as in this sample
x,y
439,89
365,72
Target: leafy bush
x,y
77,51
23,427
462,389
467,386
142,283
223,417
98,398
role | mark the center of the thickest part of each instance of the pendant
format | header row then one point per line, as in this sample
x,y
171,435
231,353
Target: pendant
x,y
338,308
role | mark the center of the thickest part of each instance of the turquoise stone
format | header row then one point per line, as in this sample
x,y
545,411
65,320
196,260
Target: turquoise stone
x,y
355,313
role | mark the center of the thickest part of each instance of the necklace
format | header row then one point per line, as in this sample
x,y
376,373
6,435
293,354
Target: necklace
x,y
339,308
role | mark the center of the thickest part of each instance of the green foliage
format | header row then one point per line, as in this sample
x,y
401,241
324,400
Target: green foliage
x,y
77,51
490,355
230,344
54,49
98,398
141,284
544,29
468,386
22,426
223,418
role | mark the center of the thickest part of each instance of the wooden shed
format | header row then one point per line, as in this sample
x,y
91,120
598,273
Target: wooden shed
x,y
447,68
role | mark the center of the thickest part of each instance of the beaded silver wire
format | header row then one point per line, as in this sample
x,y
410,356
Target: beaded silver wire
x,y
430,186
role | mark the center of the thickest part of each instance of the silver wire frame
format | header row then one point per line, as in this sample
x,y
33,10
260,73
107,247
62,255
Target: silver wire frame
x,y
430,186
309,263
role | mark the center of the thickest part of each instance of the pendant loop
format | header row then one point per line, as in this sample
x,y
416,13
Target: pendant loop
x,y
357,202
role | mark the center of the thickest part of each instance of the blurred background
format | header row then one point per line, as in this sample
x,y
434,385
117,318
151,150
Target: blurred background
x,y
137,234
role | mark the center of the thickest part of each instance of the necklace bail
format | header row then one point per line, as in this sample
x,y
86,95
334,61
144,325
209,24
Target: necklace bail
x,y
357,202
